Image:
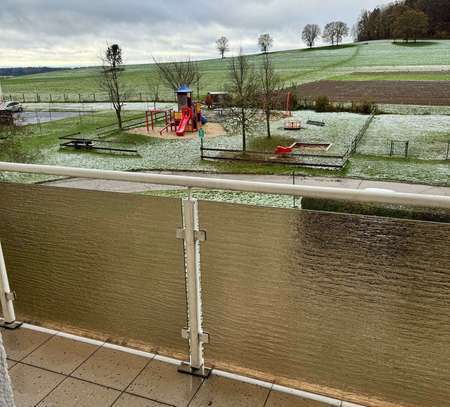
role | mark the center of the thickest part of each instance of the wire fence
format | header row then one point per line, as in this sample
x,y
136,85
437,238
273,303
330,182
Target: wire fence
x,y
94,97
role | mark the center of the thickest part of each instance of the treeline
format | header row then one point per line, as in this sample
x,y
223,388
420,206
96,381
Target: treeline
x,y
26,71
406,19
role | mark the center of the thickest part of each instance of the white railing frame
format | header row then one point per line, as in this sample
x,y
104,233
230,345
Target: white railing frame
x,y
192,236
386,197
6,297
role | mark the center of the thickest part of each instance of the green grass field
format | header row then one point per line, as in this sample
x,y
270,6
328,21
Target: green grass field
x,y
158,154
377,60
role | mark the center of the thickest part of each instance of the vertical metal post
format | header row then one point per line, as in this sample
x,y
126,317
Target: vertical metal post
x,y
194,333
448,151
6,297
406,149
293,183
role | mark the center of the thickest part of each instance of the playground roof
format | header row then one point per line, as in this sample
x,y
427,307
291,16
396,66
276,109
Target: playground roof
x,y
184,89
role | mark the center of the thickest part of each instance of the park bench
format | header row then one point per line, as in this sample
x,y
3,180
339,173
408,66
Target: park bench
x,y
315,123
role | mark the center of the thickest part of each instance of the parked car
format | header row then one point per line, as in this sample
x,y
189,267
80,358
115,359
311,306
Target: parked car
x,y
14,107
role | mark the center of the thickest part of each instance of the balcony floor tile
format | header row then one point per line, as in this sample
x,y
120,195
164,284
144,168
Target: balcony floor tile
x,y
21,342
128,400
31,384
161,382
277,399
221,392
111,368
77,393
93,375
60,355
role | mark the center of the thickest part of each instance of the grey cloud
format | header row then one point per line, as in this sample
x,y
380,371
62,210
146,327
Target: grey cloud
x,y
43,32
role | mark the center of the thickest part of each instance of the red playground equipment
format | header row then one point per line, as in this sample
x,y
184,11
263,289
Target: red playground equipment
x,y
288,111
153,115
188,119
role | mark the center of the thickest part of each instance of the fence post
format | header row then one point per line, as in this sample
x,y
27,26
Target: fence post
x,y
294,197
406,149
448,151
192,236
7,297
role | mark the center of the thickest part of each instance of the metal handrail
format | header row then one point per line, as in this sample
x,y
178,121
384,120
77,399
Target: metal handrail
x,y
365,196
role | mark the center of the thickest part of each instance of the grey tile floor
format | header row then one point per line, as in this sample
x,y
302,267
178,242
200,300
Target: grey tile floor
x,y
48,370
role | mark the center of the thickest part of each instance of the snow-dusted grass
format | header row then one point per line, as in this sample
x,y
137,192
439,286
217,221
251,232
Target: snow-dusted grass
x,y
386,53
185,155
413,110
339,130
247,198
394,169
427,135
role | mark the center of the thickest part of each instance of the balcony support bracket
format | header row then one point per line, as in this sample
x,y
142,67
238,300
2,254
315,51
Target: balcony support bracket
x,y
7,298
192,236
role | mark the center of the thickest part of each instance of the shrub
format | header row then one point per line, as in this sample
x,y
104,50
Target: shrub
x,y
323,104
364,107
294,102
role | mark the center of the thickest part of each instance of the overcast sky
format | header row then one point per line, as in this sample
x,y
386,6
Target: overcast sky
x,y
74,32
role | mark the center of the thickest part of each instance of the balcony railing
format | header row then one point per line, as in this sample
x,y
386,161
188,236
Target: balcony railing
x,y
353,307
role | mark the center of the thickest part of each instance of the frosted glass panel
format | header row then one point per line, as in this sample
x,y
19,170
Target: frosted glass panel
x,y
351,306
98,261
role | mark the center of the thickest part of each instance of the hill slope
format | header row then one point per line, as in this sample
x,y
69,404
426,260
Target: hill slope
x,y
295,66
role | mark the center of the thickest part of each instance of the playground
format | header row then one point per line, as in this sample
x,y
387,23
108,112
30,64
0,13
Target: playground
x,y
212,130
187,122
167,137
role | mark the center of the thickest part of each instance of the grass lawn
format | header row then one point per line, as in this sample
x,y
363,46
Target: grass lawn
x,y
247,198
428,136
294,66
179,154
398,169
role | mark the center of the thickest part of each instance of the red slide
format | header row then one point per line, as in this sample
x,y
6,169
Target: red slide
x,y
184,122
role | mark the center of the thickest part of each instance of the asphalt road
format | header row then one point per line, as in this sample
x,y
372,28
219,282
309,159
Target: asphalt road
x,y
35,117
130,187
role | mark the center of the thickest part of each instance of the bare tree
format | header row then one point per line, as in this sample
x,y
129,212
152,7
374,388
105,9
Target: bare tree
x,y
270,88
154,86
177,73
222,45
243,91
310,34
335,31
265,42
112,69
341,30
329,33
